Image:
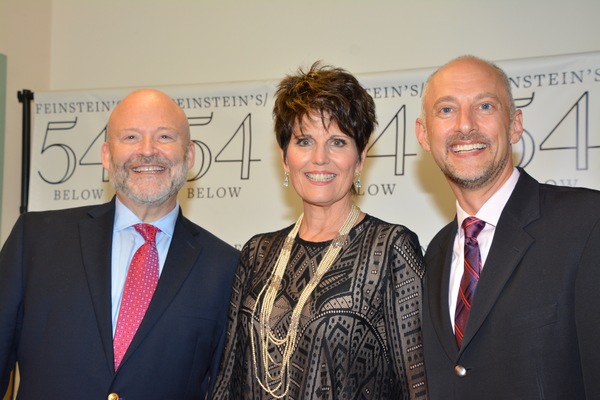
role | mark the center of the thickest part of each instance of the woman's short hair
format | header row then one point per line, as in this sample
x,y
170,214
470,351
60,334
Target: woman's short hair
x,y
334,94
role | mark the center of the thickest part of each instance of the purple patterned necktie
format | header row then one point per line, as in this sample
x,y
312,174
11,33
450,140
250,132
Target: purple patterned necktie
x,y
141,281
471,226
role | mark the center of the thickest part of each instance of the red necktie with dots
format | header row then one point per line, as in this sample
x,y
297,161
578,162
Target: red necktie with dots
x,y
140,283
471,226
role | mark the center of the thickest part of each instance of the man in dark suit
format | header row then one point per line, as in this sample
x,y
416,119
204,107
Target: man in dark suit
x,y
522,321
64,277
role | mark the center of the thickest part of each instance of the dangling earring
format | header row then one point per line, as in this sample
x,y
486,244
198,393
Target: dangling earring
x,y
286,179
357,183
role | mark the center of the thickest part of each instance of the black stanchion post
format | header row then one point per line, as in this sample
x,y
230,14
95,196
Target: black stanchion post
x,y
25,97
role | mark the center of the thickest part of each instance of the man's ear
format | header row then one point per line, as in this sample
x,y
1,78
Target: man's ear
x,y
105,153
191,153
516,129
421,132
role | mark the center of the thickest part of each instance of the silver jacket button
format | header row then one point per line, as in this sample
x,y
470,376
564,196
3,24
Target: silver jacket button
x,y
459,370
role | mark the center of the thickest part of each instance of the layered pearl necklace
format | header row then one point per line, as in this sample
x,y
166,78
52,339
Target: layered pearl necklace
x,y
278,384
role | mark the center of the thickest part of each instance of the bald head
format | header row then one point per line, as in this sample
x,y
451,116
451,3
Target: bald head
x,y
145,106
468,62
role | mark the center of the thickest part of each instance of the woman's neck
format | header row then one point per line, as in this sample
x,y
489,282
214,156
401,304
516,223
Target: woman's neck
x,y
321,224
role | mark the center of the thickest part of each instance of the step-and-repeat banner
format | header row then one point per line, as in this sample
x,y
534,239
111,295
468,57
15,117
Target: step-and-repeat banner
x,y
235,188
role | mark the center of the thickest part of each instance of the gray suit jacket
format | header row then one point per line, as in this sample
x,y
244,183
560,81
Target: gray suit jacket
x,y
533,327
55,311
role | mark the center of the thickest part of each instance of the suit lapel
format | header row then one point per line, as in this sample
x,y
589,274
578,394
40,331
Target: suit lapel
x,y
96,250
184,250
509,246
438,289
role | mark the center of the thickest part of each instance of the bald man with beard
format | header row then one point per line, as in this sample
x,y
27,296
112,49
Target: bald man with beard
x,y
63,277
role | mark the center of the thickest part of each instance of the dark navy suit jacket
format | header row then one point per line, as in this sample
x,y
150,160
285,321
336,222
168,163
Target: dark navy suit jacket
x,y
55,311
534,325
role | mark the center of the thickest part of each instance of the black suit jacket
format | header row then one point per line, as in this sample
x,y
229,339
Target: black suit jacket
x,y
55,311
535,319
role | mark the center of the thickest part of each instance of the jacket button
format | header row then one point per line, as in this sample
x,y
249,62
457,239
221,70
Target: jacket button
x,y
459,370
113,396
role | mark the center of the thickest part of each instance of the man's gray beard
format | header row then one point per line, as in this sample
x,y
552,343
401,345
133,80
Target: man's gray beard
x,y
478,181
118,178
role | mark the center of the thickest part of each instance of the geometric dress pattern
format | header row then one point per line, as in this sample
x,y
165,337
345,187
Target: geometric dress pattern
x,y
360,331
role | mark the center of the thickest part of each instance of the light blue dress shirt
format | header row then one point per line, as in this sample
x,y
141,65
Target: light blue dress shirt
x,y
126,241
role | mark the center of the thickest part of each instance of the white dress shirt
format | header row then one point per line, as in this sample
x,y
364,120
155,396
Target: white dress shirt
x,y
490,214
126,241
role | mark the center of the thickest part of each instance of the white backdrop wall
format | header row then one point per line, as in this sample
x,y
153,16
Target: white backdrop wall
x,y
235,188
74,44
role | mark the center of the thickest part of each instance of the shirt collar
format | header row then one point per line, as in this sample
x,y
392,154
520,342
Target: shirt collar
x,y
491,209
125,218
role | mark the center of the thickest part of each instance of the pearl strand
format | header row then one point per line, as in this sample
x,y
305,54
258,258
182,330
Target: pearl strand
x,y
273,384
